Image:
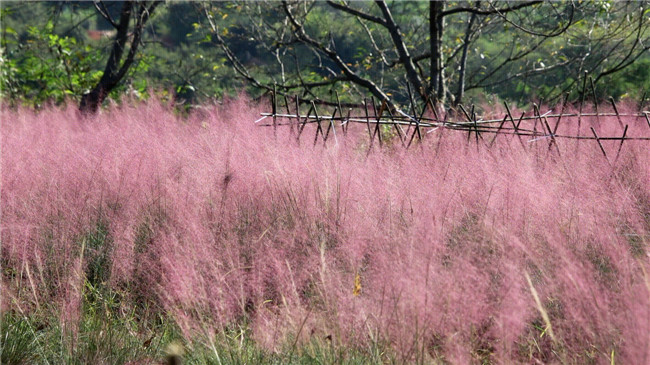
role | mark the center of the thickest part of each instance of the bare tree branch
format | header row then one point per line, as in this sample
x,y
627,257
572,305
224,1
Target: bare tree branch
x,y
101,9
463,62
478,11
299,31
398,42
628,59
344,7
532,32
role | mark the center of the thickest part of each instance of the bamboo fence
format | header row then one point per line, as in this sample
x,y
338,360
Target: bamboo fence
x,y
533,126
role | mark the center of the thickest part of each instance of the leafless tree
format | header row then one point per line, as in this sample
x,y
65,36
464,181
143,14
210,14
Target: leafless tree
x,y
400,47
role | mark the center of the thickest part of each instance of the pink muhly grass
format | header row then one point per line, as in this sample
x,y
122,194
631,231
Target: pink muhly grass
x,y
216,222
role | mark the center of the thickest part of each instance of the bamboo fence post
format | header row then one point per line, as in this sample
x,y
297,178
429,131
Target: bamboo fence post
x,y
286,104
331,126
536,115
304,123
319,128
347,122
469,119
510,115
552,142
505,117
582,101
396,126
377,131
599,144
338,102
274,100
559,118
621,145
411,104
370,135
417,123
433,109
593,92
618,117
297,111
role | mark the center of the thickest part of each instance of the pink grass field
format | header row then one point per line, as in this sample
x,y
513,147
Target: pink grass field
x,y
442,251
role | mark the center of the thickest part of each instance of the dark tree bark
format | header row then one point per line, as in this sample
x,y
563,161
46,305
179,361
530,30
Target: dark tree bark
x,y
436,24
402,50
463,60
116,69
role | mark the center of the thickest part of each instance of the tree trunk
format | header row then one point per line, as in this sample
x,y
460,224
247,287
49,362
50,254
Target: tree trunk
x,y
463,61
402,49
91,101
436,25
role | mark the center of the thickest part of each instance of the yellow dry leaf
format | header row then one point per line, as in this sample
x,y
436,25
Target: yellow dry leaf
x,y
357,285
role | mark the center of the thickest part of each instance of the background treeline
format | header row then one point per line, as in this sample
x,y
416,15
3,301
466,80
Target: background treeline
x,y
454,51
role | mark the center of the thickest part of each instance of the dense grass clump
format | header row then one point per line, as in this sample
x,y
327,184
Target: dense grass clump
x,y
128,230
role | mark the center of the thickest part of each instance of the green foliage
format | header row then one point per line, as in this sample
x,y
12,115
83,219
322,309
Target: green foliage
x,y
107,332
629,84
97,245
46,67
19,341
235,346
